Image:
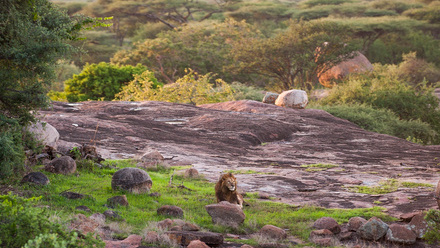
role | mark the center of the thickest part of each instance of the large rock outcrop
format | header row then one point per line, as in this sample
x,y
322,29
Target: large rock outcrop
x,y
359,63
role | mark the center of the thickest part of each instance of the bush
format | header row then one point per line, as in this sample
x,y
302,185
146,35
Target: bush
x,y
433,233
192,89
383,121
11,148
100,81
245,92
24,225
383,89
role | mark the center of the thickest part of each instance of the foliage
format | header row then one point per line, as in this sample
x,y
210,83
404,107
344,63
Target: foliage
x,y
433,233
191,88
430,13
294,56
382,89
32,39
24,225
245,92
204,47
64,71
382,121
11,148
100,81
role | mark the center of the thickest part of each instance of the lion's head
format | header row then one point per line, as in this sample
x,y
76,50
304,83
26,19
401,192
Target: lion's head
x,y
229,181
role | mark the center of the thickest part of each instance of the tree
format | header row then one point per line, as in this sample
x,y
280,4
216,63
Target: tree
x,y
33,36
294,56
100,81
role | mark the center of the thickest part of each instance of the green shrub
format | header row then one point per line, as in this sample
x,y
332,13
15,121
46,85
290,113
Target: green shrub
x,y
21,224
433,219
312,3
383,121
245,92
100,81
11,150
191,88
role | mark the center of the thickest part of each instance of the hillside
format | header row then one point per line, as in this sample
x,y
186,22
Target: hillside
x,y
279,151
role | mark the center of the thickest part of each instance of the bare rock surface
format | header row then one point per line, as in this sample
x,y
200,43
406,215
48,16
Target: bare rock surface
x,y
271,140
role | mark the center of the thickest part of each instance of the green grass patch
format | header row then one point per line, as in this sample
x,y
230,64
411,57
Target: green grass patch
x,y
142,209
388,186
248,172
318,167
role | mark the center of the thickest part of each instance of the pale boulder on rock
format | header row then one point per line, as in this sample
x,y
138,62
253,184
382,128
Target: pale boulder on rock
x,y
296,99
46,133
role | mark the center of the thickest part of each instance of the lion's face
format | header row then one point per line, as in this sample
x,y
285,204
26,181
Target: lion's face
x,y
230,182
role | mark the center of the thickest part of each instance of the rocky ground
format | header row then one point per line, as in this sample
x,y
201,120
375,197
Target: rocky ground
x,y
273,141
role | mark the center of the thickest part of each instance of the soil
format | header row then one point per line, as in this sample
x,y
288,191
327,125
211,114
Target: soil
x,y
271,140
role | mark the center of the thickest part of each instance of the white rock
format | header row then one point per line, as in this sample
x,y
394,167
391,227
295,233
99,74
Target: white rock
x,y
296,99
45,132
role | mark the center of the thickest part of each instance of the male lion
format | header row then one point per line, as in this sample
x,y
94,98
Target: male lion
x,y
226,190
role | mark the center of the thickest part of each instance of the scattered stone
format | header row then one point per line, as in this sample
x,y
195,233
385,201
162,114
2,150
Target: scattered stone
x,y
132,241
190,227
273,232
407,217
83,224
349,180
117,200
165,224
373,229
134,180
400,234
72,195
83,208
191,173
151,158
197,244
98,217
225,213
263,195
246,246
323,237
355,222
184,237
155,194
296,99
63,165
419,225
173,211
151,237
327,223
112,215
345,235
45,132
270,97
37,178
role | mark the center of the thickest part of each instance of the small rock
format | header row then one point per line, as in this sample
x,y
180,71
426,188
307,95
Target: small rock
x,y
151,237
197,244
246,246
132,241
355,222
72,195
190,227
225,213
98,217
270,97
134,180
63,165
37,178
345,235
273,232
165,224
151,158
173,211
263,195
184,238
407,217
327,223
117,200
373,229
419,225
81,223
400,234
326,242
191,173
83,208
155,194
323,237
296,99
112,215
